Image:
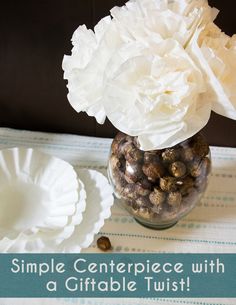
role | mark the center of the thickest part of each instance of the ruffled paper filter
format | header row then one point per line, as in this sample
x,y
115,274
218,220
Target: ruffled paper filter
x,y
43,201
98,208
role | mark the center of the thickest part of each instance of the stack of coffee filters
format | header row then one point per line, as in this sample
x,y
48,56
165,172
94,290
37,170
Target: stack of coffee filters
x,y
48,207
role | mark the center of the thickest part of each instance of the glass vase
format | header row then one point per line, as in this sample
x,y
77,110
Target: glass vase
x,y
159,187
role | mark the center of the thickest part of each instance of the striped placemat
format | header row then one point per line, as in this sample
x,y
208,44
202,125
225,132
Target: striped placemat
x,y
209,228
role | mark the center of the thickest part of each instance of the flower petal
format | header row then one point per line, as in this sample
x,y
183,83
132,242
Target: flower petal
x,y
221,88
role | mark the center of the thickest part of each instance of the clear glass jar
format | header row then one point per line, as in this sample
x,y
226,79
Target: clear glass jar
x,y
159,187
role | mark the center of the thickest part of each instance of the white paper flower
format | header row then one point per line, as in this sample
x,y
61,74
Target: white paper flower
x,y
215,53
153,70
176,19
85,67
156,94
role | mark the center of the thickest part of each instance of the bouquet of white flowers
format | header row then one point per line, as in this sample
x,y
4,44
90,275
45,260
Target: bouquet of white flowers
x,y
155,68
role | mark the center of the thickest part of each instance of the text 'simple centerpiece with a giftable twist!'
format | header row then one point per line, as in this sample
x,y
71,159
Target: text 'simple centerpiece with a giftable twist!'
x,y
156,69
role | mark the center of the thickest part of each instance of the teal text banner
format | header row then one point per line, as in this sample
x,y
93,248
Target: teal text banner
x,y
118,275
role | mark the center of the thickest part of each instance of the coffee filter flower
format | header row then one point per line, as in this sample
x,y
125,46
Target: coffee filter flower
x,y
114,75
83,67
215,53
163,88
167,19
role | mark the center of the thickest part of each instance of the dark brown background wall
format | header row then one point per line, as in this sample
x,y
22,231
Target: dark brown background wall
x,y
34,36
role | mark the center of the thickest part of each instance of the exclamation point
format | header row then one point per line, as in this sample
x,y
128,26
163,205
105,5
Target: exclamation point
x,y
188,283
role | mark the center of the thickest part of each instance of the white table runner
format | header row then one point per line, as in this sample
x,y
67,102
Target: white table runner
x,y
209,228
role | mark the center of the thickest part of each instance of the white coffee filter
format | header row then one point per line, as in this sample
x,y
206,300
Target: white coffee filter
x,y
38,193
98,208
